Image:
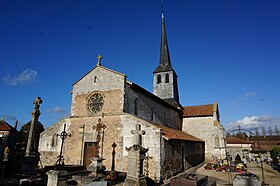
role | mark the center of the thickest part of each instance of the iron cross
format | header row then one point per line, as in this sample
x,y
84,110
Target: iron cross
x,y
99,126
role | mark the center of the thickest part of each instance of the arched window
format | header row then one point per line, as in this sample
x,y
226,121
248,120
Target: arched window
x,y
166,78
136,106
158,79
95,79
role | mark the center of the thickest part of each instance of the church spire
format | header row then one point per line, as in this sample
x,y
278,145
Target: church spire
x,y
164,63
165,78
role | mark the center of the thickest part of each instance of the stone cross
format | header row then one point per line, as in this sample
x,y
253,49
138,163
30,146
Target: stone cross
x,y
99,57
99,126
138,135
35,115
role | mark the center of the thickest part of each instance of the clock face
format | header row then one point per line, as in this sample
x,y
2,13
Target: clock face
x,y
95,103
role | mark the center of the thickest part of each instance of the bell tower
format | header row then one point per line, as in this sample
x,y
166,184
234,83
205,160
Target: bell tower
x,y
165,78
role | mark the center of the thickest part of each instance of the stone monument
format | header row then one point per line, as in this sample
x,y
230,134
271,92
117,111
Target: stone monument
x,y
31,158
136,155
96,165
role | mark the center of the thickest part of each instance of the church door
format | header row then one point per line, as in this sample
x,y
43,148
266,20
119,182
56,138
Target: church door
x,y
90,151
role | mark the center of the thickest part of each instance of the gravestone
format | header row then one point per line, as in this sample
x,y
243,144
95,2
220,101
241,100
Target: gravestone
x,y
56,178
136,155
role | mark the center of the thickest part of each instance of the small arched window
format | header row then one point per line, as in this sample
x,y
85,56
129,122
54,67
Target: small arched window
x,y
158,79
95,79
166,78
136,106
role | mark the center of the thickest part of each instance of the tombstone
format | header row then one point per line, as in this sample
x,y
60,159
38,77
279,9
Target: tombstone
x,y
31,158
56,178
136,155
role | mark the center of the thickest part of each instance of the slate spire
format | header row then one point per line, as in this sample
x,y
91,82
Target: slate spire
x,y
165,78
164,63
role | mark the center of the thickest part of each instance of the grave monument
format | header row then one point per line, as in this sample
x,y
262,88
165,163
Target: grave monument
x,y
136,155
31,158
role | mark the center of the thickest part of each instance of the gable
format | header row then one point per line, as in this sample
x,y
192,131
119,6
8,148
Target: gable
x,y
99,79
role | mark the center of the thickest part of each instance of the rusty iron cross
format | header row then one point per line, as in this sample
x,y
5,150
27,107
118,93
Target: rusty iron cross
x,y
99,126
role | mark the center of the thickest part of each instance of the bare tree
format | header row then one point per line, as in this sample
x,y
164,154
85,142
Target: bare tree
x,y
263,131
276,130
257,132
270,131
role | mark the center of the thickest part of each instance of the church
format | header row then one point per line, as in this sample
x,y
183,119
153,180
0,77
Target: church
x,y
104,97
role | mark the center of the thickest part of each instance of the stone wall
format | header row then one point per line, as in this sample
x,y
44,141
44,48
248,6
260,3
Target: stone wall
x,y
208,130
99,79
151,140
151,109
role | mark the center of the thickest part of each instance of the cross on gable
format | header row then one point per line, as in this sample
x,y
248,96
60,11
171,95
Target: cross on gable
x,y
99,57
37,103
138,135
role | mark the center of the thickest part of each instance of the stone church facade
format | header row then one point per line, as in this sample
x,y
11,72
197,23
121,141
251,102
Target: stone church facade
x,y
120,104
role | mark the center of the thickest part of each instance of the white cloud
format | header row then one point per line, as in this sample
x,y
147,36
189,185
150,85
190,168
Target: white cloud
x,y
252,122
246,96
56,109
25,77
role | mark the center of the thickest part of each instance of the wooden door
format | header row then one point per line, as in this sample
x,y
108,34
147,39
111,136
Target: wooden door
x,y
89,152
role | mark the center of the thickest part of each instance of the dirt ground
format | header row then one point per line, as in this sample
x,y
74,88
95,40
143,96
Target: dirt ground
x,y
271,177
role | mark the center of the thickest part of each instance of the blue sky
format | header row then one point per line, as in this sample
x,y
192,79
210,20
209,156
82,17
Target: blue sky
x,y
224,51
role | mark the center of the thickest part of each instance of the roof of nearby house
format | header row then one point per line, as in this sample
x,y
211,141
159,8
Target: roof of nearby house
x,y
265,138
175,134
199,110
4,126
235,140
265,145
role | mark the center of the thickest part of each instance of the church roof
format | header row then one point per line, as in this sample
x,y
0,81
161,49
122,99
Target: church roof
x,y
198,110
201,111
175,134
164,63
4,126
235,140
144,91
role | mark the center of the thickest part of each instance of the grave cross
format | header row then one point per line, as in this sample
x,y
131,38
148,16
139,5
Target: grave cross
x,y
138,135
99,126
63,135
